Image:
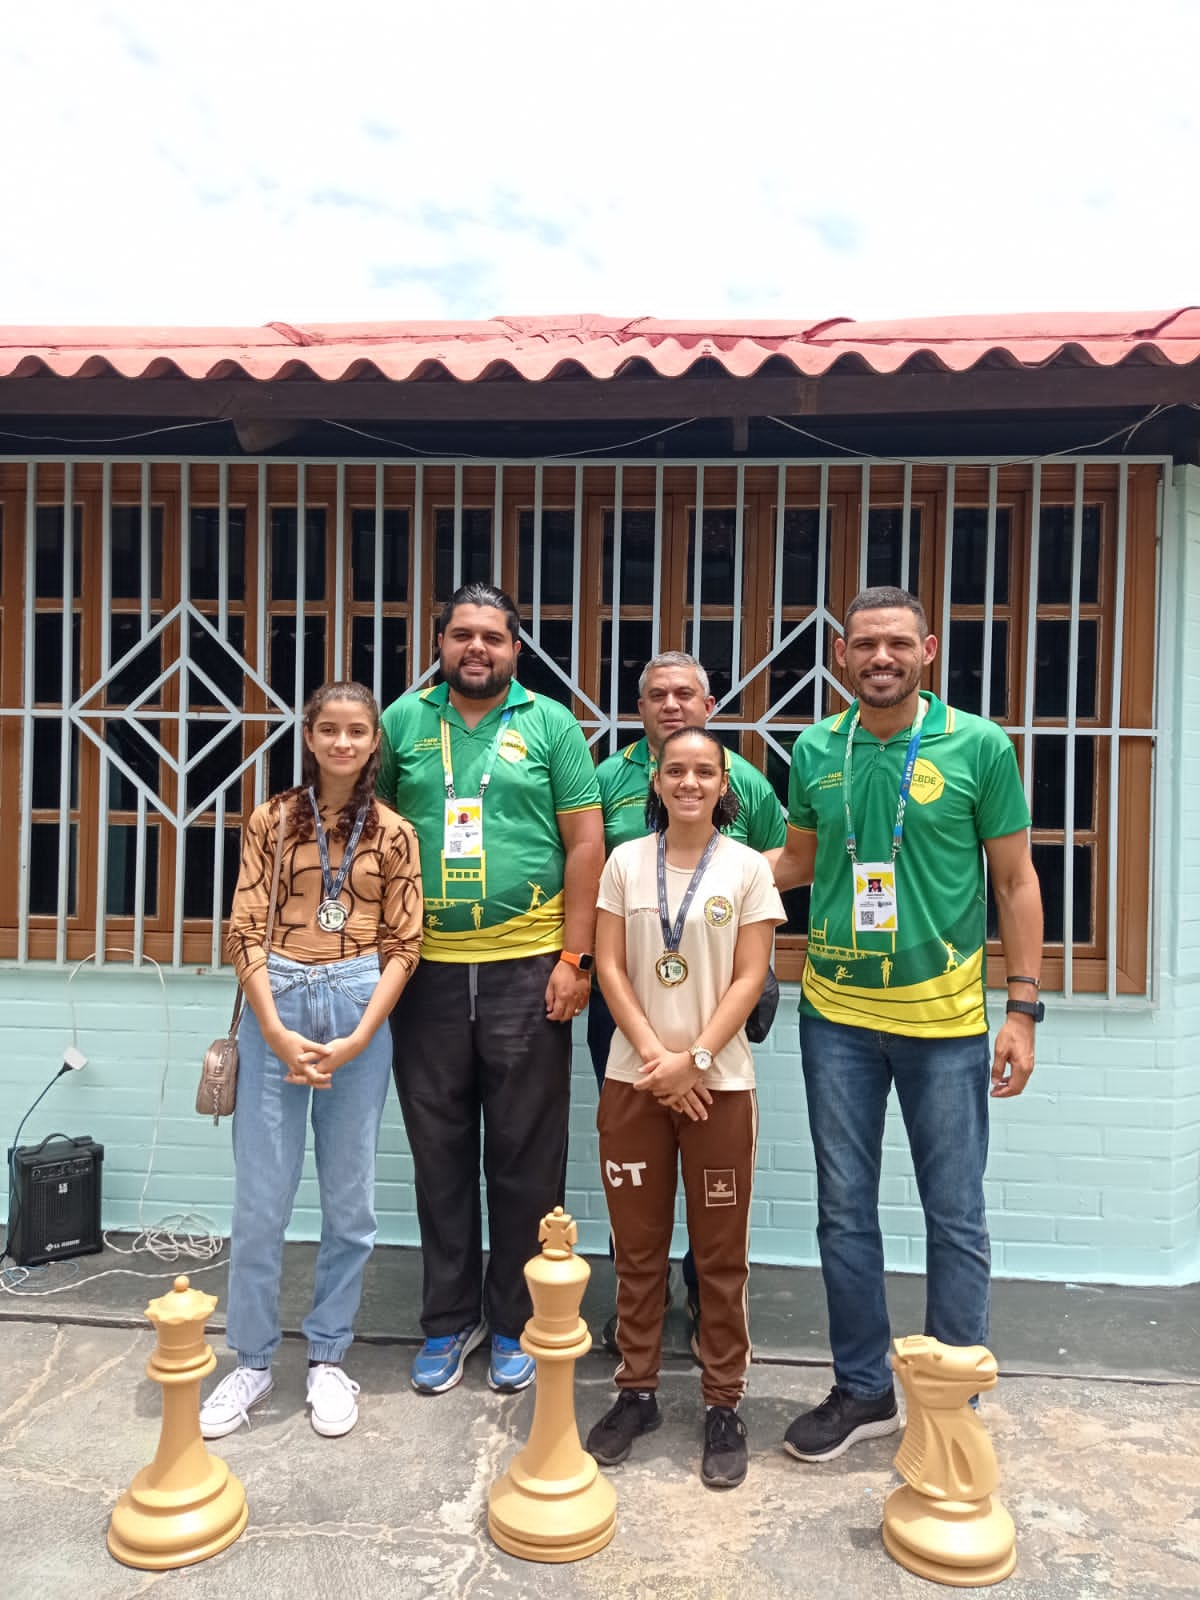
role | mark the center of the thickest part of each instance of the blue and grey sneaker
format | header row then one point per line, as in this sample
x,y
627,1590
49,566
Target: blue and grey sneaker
x,y
438,1364
510,1368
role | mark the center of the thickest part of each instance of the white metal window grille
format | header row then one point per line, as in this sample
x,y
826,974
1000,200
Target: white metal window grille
x,y
157,642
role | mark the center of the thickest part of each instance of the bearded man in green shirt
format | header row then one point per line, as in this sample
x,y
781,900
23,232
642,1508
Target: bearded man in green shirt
x,y
892,806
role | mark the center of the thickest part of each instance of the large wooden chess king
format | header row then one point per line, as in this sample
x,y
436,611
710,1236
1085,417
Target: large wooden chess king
x,y
553,1504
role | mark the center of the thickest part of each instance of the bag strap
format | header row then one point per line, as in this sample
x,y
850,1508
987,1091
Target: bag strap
x,y
237,1004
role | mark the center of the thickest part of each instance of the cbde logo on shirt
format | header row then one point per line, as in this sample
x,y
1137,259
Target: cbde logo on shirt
x,y
927,782
512,746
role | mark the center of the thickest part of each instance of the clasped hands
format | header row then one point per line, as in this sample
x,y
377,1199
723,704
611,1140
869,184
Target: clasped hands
x,y
676,1082
309,1063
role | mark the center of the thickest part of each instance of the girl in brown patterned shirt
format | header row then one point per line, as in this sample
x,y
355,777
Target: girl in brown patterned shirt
x,y
344,943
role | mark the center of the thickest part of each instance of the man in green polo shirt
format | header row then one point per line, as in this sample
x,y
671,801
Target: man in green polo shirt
x,y
500,787
893,805
673,692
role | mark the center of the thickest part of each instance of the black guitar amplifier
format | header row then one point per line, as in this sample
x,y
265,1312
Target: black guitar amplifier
x,y
54,1200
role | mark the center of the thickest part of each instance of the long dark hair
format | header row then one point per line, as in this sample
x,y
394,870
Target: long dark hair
x,y
300,817
728,805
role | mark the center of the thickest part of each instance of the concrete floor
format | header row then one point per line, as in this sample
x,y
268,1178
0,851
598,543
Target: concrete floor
x,y
1096,1423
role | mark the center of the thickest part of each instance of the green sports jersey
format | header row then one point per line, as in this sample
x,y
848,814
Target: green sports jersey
x,y
926,979
624,780
508,900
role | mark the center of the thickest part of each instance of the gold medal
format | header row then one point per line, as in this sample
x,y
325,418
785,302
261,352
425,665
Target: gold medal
x,y
332,916
671,969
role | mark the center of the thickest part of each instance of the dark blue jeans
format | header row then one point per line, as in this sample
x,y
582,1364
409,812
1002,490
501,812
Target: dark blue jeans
x,y
942,1086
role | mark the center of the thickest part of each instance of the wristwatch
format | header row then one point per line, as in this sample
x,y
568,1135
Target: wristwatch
x,y
585,963
702,1057
1028,1008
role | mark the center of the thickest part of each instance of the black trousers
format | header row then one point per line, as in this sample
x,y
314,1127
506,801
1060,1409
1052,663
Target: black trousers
x,y
471,1042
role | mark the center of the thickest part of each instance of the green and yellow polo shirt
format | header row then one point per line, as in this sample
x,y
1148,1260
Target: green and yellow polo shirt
x,y
624,780
927,978
508,902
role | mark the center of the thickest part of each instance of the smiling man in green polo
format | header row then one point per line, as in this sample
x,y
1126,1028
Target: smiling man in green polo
x,y
893,805
500,787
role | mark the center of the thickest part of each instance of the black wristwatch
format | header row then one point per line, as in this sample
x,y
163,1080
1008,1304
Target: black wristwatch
x,y
1028,1008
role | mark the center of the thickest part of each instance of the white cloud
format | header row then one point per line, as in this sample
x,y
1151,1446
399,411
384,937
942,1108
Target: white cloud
x,y
247,162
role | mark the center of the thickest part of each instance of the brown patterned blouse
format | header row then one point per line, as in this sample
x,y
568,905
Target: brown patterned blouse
x,y
382,894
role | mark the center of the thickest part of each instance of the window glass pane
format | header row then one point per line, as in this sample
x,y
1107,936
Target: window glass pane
x,y
716,556
47,765
1050,781
393,655
285,552
716,655
885,547
394,590
1048,861
968,578
205,564
136,665
121,872
786,670
532,668
965,678
221,743
476,548
47,658
138,755
1053,668
637,557
283,657
43,869
635,650
198,873
801,548
1056,535
558,558
125,553
48,555
224,670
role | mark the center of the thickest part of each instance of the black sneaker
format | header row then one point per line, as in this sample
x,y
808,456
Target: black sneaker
x,y
838,1422
723,1465
692,1305
611,1440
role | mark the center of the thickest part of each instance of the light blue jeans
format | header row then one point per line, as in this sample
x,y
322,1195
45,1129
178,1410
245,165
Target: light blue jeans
x,y
942,1086
270,1130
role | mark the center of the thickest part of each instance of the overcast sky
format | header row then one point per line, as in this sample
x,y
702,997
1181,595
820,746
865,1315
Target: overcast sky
x,y
248,162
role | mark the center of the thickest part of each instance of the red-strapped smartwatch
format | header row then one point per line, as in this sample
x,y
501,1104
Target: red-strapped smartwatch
x,y
584,963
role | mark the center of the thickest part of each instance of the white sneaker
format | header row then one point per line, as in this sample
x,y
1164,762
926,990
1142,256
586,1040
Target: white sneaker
x,y
228,1406
331,1397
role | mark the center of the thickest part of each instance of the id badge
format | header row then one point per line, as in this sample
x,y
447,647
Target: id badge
x,y
875,897
464,829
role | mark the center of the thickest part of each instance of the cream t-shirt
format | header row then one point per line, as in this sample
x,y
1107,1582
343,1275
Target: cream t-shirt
x,y
737,887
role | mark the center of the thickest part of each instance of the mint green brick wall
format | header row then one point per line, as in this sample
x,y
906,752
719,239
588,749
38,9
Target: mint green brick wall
x,y
1094,1171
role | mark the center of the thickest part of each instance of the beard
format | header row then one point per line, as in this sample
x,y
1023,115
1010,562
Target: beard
x,y
487,688
882,696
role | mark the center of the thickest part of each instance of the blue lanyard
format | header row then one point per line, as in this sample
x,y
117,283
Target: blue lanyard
x,y
910,762
331,887
448,766
672,935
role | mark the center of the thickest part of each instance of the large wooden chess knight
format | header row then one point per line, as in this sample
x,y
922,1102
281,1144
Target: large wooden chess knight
x,y
553,1504
942,1523
186,1505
